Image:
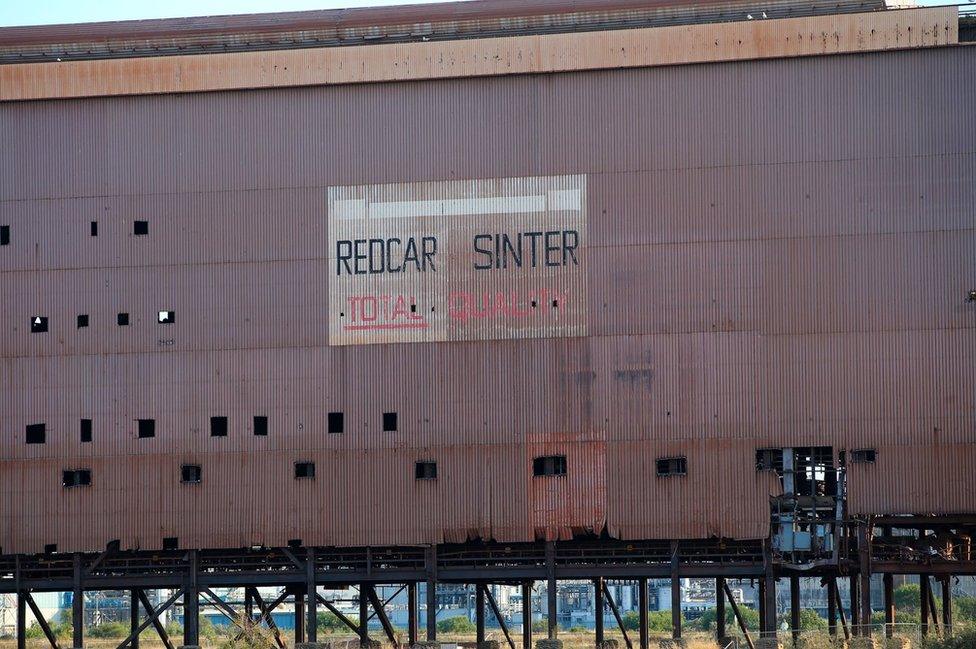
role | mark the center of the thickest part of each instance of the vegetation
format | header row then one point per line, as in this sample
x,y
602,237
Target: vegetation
x,y
657,621
330,623
707,620
458,624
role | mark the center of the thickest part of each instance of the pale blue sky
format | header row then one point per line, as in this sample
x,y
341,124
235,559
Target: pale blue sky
x,y
39,12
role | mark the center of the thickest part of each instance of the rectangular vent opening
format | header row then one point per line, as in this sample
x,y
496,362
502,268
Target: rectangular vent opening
x,y
389,422
864,456
4,235
672,466
171,543
426,470
82,320
76,478
191,473
146,428
140,228
122,319
260,425
218,426
36,433
38,324
94,228
769,459
167,317
549,465
304,469
336,422
86,430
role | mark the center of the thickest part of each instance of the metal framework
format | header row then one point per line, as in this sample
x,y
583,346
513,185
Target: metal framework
x,y
926,546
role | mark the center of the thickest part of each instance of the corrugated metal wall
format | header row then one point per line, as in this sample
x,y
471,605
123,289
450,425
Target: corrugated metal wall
x,y
777,253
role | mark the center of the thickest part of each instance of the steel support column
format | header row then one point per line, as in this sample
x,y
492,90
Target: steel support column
x,y
720,630
431,569
889,603
134,617
675,593
77,605
551,594
598,610
527,615
191,605
855,597
363,616
923,591
795,608
864,535
479,612
831,607
642,602
768,613
311,601
21,620
299,594
946,603
413,629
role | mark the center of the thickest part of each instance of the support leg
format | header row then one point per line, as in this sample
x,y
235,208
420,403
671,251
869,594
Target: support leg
x,y
311,601
946,603
889,603
642,602
795,608
191,606
299,615
363,616
923,591
527,615
855,595
720,631
413,630
598,610
551,594
77,606
134,617
675,593
479,613
831,607
432,594
864,537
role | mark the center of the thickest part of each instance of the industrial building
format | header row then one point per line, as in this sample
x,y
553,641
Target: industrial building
x,y
488,293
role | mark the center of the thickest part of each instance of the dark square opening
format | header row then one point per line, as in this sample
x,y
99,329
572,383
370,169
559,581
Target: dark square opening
x,y
167,317
336,422
86,430
140,228
36,433
218,426
672,466
94,228
76,478
425,470
260,425
191,473
171,543
864,456
38,324
769,459
123,319
304,469
82,320
50,548
4,235
146,427
549,465
389,422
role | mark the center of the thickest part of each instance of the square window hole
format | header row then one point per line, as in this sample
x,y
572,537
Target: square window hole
x,y
36,433
167,317
82,320
260,425
336,422
51,548
140,228
425,470
146,428
94,228
769,459
191,473
549,465
218,426
4,235
304,469
123,319
672,466
389,422
76,478
171,543
864,456
38,324
86,430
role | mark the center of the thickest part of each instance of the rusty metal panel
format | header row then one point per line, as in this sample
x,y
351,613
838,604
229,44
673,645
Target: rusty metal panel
x,y
506,55
774,253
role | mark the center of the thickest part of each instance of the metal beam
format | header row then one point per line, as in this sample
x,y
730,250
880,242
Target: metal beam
x,y
551,601
598,605
430,568
381,614
675,594
864,535
21,619
266,614
738,617
527,615
946,603
191,604
77,605
889,604
795,608
342,618
45,627
312,621
134,617
413,627
840,608
154,619
363,616
616,615
831,607
493,605
479,614
642,616
720,631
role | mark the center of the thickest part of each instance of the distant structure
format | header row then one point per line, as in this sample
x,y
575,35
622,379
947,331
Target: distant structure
x,y
491,293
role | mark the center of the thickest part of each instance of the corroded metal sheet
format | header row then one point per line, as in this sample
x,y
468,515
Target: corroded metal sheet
x,y
457,260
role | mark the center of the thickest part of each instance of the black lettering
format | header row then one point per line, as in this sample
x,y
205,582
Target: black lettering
x,y
429,252
570,248
376,243
532,237
482,251
411,254
551,248
359,256
389,256
516,254
343,255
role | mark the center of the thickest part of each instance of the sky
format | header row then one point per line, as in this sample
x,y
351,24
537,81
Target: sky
x,y
41,12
